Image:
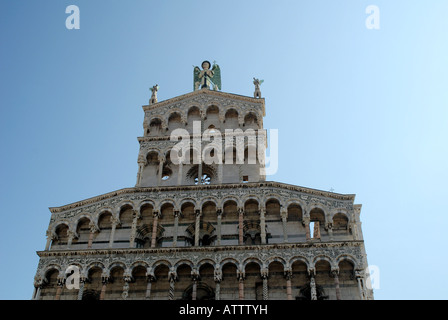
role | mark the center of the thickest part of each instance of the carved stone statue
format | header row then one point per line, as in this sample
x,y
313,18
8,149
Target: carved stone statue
x,y
257,83
207,77
154,90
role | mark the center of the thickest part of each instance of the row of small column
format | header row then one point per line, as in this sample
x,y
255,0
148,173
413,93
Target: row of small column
x,y
172,276
164,126
156,216
142,163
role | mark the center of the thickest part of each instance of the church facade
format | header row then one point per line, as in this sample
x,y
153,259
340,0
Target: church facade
x,y
202,222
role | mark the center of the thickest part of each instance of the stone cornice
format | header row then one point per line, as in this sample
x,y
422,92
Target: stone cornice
x,y
173,250
243,133
206,92
252,185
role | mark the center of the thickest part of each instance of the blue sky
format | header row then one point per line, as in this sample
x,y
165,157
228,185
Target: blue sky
x,y
359,111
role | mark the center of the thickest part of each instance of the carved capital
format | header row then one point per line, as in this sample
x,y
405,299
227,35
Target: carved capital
x,y
83,278
172,275
114,220
359,274
128,277
194,275
284,214
38,281
311,272
288,274
306,220
51,235
217,275
61,280
264,273
71,234
141,160
136,215
105,277
93,228
150,276
334,272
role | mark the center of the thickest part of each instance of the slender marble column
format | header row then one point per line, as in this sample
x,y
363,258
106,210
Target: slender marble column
x,y
241,286
93,230
141,165
154,230
38,288
284,215
200,174
180,174
50,237
360,279
263,225
60,285
171,290
218,279
133,229
39,291
316,233
150,277
240,226
306,223
114,222
288,276
218,227
71,235
33,297
313,288
197,228
335,273
82,281
148,288
329,227
176,227
217,290
104,280
194,288
264,277
159,175
220,172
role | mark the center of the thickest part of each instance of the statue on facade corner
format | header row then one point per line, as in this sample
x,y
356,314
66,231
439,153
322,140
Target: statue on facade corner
x,y
257,83
154,90
208,77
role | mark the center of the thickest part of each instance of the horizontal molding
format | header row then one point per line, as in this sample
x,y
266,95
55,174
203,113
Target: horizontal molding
x,y
248,185
222,248
220,94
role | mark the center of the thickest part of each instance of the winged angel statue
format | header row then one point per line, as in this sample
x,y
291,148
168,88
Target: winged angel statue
x,y
207,77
